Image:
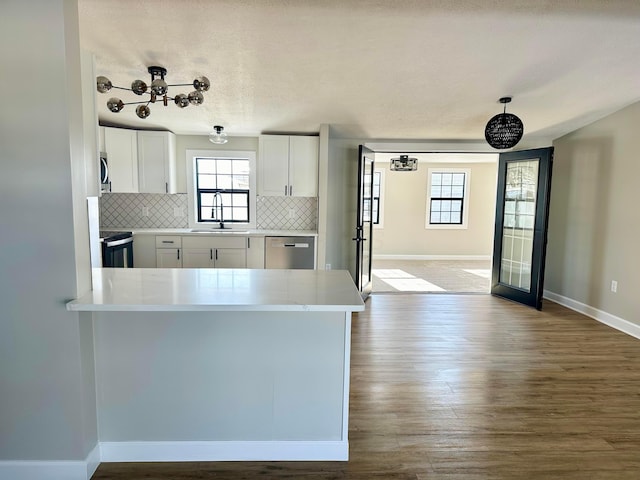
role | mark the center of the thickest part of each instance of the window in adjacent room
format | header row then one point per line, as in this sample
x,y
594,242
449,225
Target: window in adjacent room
x,y
447,198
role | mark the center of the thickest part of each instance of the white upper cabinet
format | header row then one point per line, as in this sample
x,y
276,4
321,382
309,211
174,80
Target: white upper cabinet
x,y
303,166
121,146
156,162
140,161
274,165
288,166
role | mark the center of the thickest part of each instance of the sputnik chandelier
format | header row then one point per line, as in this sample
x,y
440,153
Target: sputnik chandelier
x,y
157,91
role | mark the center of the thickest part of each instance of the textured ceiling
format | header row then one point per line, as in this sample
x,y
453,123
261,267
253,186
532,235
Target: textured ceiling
x,y
371,68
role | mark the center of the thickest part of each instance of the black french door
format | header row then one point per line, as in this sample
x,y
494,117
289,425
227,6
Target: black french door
x,y
522,212
364,221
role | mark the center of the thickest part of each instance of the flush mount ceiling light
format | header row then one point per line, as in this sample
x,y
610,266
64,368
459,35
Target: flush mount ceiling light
x,y
157,91
505,129
218,136
404,164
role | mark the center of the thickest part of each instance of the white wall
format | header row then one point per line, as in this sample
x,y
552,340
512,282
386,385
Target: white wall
x,y
340,203
405,211
47,406
594,221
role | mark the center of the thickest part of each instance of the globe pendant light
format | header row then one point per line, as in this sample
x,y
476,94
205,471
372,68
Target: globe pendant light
x,y
218,136
505,129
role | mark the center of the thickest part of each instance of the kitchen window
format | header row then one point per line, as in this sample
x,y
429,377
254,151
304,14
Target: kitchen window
x,y
222,188
447,198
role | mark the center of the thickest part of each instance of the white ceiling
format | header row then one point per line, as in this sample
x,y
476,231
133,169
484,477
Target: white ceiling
x,y
402,69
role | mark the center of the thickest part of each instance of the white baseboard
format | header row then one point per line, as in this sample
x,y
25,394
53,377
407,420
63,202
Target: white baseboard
x,y
618,323
52,469
173,452
223,451
93,461
432,257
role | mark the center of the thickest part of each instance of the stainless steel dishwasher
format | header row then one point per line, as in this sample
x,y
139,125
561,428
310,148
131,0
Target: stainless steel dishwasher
x,y
289,252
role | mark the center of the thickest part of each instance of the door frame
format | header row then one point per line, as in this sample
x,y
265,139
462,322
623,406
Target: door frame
x,y
364,238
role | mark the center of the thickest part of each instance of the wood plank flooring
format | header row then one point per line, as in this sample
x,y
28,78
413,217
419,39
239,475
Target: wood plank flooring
x,y
470,387
456,276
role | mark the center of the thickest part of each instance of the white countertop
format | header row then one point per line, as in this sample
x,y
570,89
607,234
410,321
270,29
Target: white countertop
x,y
229,231
186,289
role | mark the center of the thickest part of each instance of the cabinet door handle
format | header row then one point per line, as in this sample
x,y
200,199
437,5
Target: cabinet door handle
x,y
166,187
285,190
248,242
168,241
290,190
216,254
178,254
211,254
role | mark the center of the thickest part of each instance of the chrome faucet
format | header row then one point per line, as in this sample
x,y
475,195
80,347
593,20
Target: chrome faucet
x,y
217,196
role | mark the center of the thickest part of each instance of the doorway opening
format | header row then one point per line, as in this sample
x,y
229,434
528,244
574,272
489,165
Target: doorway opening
x,y
433,227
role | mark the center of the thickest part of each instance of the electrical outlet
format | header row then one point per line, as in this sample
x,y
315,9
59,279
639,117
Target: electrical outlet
x,y
292,213
327,266
145,211
614,286
177,212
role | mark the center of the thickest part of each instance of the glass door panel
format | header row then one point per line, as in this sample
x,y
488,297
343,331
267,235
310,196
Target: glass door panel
x,y
522,209
518,222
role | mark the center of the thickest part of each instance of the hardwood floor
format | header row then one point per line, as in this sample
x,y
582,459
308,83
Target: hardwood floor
x,y
470,387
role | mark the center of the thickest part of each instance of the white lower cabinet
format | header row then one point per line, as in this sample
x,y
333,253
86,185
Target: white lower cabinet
x,y
255,252
168,251
214,252
230,258
168,258
144,251
198,258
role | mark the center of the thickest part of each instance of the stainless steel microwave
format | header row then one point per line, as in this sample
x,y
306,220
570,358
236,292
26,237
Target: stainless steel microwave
x,y
105,183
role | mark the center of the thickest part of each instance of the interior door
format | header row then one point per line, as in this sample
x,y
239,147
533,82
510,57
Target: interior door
x,y
522,211
364,223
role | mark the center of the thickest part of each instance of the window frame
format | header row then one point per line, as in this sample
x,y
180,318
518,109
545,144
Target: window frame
x,y
465,200
194,198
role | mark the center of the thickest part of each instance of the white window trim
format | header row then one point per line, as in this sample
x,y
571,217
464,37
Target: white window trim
x,y
380,224
191,156
465,203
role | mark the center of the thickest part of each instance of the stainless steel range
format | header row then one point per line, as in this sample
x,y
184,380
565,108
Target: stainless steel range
x,y
117,249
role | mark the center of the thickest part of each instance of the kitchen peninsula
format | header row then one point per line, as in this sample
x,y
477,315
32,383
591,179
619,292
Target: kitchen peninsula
x,y
221,364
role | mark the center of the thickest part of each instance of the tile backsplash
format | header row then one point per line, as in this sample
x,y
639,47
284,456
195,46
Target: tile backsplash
x,y
143,210
149,210
287,213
